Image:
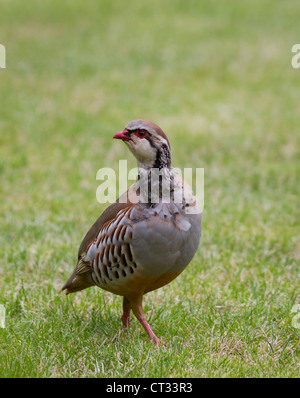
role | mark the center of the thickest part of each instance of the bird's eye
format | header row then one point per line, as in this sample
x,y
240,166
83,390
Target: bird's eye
x,y
141,133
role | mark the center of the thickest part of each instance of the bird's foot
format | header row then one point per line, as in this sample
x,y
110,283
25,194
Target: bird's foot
x,y
150,333
123,334
158,342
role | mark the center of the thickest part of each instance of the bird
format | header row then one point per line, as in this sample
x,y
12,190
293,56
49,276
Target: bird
x,y
148,236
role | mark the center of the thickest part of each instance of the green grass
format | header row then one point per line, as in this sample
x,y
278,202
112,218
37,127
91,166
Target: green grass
x,y
218,79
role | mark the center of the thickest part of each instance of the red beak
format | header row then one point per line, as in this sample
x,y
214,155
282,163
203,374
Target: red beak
x,y
122,135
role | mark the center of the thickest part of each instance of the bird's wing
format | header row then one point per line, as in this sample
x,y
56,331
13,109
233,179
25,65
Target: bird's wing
x,y
80,278
109,213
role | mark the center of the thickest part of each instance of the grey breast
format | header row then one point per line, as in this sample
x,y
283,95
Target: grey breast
x,y
166,239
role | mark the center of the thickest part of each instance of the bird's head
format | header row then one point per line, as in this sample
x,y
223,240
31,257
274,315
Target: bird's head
x,y
148,143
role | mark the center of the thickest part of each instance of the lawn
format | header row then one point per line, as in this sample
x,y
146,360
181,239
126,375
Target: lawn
x,y
218,79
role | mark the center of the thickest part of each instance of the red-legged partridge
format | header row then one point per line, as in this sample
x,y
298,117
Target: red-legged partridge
x,y
140,244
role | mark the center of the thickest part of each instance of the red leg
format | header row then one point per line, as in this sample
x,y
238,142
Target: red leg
x,y
137,308
126,319
126,313
148,329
